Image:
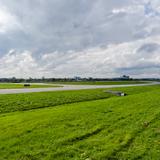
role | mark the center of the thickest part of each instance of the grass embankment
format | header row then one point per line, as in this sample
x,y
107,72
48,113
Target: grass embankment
x,y
20,86
112,128
100,82
27,101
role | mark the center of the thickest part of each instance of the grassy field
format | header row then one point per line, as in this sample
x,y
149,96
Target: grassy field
x,y
109,127
27,101
100,82
19,85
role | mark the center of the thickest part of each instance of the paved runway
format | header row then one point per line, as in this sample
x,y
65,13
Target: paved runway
x,y
68,87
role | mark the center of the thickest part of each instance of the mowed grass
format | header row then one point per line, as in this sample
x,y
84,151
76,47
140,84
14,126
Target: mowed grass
x,y
111,128
28,101
101,82
20,85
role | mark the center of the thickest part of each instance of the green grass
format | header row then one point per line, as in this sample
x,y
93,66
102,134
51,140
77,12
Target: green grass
x,y
111,128
27,101
19,86
100,82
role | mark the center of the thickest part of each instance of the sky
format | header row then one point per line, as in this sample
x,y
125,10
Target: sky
x,y
87,38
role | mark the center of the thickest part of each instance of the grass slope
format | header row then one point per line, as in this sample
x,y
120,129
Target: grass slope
x,y
27,101
100,82
113,128
18,86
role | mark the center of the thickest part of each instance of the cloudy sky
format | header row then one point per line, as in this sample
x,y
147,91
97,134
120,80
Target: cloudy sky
x,y
66,38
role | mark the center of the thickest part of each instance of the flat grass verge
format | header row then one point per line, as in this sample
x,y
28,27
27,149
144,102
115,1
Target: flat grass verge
x,y
20,86
101,82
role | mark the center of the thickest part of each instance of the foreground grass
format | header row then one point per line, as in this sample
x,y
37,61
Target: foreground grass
x,y
112,128
19,86
100,82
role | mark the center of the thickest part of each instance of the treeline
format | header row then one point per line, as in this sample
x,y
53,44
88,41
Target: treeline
x,y
44,80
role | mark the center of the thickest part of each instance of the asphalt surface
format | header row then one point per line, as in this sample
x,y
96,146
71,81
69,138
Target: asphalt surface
x,y
68,87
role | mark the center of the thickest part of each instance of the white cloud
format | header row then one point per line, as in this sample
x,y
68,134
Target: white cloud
x,y
20,64
89,38
133,9
7,21
140,58
107,62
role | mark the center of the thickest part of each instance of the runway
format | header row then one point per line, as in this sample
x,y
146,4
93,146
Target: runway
x,y
68,87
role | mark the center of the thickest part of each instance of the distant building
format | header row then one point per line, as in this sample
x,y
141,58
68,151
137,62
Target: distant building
x,y
76,78
124,77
